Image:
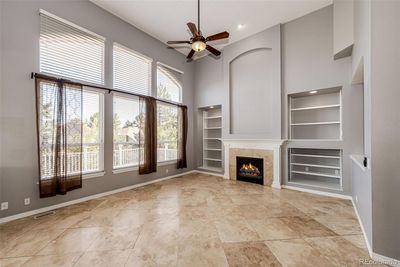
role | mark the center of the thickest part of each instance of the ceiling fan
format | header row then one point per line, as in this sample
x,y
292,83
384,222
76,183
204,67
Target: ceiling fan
x,y
198,43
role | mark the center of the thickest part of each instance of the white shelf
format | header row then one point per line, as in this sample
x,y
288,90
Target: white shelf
x,y
211,159
316,165
212,131
208,168
213,128
318,174
316,156
315,184
213,117
315,116
316,107
315,123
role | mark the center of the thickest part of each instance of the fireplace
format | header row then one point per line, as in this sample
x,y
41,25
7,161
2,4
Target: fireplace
x,y
250,170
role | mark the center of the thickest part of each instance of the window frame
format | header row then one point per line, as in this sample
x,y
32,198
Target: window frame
x,y
171,161
174,69
79,28
101,170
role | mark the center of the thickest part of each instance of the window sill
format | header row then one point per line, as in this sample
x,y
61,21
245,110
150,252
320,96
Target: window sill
x,y
164,163
125,169
93,175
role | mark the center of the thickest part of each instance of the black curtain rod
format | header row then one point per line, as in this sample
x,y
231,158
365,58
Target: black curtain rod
x,y
52,78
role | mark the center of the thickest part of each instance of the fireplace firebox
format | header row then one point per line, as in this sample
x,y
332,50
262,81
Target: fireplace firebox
x,y
250,170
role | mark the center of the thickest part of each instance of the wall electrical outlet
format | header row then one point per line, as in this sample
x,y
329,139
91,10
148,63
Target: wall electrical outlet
x,y
4,206
166,170
27,201
307,169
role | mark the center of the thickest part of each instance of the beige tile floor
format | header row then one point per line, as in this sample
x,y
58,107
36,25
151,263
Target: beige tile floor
x,y
193,220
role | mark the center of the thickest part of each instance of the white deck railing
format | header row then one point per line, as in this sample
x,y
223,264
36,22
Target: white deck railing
x,y
124,155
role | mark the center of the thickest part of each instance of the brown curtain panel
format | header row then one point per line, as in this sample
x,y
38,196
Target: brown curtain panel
x,y
182,136
147,135
59,127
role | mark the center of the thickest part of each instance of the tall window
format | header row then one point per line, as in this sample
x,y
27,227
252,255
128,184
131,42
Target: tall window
x,y
92,131
167,132
169,83
70,51
126,132
132,71
169,87
84,113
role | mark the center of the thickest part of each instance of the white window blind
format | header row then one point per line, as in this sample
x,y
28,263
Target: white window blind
x,y
70,51
132,71
169,83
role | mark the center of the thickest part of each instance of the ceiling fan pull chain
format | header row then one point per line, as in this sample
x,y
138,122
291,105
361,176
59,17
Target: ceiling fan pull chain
x,y
198,15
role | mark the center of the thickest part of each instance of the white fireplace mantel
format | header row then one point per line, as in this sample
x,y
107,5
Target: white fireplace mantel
x,y
265,144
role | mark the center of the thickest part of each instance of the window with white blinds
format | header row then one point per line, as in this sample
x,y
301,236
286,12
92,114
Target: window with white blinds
x,y
169,83
70,51
132,71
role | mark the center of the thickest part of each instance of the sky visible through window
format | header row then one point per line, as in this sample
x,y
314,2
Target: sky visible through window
x,y
171,87
124,107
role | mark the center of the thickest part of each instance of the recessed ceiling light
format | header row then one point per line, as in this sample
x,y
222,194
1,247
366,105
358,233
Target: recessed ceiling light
x,y
240,26
313,92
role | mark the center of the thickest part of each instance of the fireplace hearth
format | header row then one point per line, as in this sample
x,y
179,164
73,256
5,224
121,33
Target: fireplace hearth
x,y
250,170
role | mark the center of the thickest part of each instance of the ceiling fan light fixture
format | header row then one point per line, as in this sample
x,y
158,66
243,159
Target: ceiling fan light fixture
x,y
199,46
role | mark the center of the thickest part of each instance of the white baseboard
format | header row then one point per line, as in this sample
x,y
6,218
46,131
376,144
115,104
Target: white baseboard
x,y
210,173
328,194
374,256
369,247
79,200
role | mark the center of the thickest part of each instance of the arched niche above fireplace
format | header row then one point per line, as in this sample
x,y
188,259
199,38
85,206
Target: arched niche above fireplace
x,y
251,91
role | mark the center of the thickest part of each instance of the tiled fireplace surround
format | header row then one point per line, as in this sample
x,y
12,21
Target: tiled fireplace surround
x,y
269,150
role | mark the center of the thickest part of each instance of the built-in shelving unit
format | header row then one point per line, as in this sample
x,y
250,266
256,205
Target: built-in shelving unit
x,y
316,115
317,168
212,132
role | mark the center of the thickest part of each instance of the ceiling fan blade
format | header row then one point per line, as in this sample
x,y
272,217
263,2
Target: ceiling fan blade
x,y
178,42
218,36
190,55
213,50
193,29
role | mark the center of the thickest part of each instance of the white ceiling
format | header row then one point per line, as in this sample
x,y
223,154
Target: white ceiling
x,y
166,20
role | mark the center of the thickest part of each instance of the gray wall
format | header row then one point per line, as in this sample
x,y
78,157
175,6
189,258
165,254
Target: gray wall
x,y
385,120
267,112
361,179
209,92
308,64
212,87
20,49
